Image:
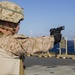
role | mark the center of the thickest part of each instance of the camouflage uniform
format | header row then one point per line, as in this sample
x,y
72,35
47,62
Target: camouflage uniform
x,y
13,13
21,45
9,62
15,45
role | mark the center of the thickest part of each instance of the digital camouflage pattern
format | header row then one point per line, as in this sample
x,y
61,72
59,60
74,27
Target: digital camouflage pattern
x,y
13,47
20,45
10,12
38,44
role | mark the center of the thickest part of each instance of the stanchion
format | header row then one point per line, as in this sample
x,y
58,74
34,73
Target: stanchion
x,y
74,45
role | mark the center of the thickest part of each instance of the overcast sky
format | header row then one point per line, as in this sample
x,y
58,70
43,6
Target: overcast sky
x,y
42,15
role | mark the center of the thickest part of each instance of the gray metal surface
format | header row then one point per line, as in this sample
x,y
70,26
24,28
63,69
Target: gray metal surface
x,y
49,66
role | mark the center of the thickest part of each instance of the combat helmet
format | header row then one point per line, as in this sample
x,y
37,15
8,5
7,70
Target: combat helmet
x,y
11,12
10,16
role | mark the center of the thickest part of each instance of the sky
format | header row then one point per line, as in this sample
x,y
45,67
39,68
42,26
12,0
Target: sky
x,y
42,15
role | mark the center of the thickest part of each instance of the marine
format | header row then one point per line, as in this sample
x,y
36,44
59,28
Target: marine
x,y
14,46
10,16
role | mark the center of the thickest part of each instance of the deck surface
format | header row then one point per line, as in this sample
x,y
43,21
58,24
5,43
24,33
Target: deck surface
x,y
49,66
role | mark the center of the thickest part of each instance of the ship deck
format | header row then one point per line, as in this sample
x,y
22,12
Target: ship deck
x,y
49,66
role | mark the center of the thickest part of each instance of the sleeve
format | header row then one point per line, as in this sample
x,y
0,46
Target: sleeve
x,y
38,44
